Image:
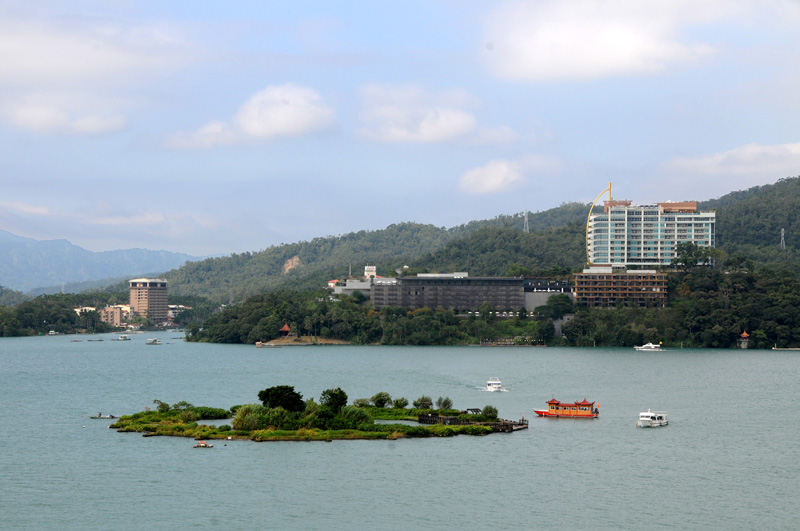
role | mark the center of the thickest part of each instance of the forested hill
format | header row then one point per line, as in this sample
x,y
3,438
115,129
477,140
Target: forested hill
x,y
748,225
304,265
310,264
493,251
749,222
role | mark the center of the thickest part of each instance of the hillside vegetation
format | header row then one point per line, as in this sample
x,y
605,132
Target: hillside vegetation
x,y
749,223
748,227
310,264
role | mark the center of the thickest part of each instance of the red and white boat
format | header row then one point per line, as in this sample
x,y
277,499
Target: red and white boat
x,y
580,410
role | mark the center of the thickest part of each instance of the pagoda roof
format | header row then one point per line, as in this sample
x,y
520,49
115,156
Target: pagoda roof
x,y
584,403
553,401
285,328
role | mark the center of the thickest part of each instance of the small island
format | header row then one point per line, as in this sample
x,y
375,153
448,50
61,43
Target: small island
x,y
283,415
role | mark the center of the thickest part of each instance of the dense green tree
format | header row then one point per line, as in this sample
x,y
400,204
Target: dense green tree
x,y
381,399
556,307
283,396
334,399
423,402
444,403
400,403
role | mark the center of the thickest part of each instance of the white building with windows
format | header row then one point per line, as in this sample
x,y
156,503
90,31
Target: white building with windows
x,y
646,235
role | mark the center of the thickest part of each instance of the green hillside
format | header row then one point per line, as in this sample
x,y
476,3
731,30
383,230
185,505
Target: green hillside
x,y
748,226
310,264
749,223
494,251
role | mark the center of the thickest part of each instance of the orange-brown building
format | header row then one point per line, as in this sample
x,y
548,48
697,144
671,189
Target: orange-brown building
x,y
115,315
607,286
149,298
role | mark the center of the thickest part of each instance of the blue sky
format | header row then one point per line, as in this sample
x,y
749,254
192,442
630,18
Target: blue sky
x,y
210,127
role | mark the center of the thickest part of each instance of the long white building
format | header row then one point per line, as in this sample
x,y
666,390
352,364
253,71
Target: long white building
x,y
646,235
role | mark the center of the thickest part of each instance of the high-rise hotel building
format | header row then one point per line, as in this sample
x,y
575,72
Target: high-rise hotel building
x,y
646,235
149,298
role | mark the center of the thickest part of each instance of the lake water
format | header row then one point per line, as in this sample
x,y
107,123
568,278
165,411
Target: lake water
x,y
728,459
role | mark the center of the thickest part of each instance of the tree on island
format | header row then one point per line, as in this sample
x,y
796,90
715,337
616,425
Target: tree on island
x,y
489,412
333,399
423,402
381,399
444,403
282,396
400,403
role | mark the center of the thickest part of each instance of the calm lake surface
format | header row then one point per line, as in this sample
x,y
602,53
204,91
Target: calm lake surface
x,y
728,459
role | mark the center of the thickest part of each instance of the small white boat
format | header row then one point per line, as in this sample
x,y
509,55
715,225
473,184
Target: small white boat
x,y
652,419
123,337
152,341
494,384
203,444
648,346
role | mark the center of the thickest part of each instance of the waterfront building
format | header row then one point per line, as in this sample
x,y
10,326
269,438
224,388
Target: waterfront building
x,y
609,286
149,298
452,291
646,235
115,315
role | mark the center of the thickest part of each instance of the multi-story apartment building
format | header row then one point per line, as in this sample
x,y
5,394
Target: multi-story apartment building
x,y
646,235
607,286
115,315
149,298
451,291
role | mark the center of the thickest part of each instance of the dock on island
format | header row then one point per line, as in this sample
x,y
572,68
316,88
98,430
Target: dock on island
x,y
498,426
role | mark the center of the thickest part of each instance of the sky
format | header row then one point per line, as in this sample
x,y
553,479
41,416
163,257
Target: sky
x,y
213,128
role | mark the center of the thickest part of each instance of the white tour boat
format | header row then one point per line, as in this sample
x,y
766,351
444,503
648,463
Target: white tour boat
x,y
494,384
648,346
652,419
152,341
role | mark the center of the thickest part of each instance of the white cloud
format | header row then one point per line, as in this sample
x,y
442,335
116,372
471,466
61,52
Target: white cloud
x,y
63,75
751,160
64,114
284,110
210,135
496,176
586,39
410,114
276,111
79,50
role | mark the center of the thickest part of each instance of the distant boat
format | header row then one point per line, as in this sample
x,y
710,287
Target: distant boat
x,y
152,341
101,416
203,444
261,344
652,419
648,346
494,384
123,337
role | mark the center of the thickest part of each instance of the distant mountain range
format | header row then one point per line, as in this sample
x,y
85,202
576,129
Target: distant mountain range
x,y
35,266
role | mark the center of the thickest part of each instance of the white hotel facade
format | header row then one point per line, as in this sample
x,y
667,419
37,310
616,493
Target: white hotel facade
x,y
646,235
